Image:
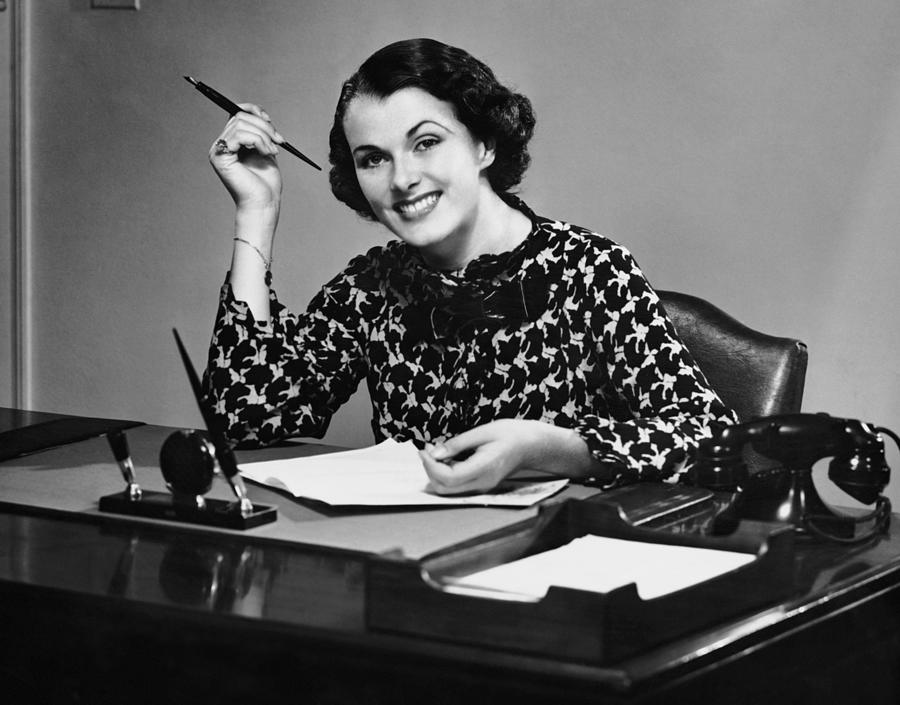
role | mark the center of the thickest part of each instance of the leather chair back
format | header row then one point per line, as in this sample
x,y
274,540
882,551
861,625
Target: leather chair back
x,y
754,373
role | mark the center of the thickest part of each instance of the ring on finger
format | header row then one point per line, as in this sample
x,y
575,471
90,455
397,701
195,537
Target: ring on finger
x,y
221,147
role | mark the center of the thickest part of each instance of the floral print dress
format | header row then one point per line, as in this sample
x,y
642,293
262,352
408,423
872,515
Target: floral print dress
x,y
564,329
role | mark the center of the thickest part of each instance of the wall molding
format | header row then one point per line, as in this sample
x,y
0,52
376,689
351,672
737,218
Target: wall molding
x,y
19,211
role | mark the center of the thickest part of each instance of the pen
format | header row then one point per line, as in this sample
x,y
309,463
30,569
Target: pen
x,y
118,443
231,108
224,454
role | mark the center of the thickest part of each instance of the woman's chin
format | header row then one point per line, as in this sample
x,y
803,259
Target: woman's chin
x,y
419,235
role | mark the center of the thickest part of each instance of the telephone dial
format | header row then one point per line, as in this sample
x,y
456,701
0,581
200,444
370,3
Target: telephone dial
x,y
785,492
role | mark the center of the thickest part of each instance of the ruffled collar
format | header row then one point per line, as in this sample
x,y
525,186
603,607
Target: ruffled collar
x,y
494,288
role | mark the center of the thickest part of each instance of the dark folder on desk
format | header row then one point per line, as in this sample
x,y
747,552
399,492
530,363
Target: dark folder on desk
x,y
51,431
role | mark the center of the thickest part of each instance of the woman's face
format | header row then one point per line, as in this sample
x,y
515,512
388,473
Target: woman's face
x,y
420,169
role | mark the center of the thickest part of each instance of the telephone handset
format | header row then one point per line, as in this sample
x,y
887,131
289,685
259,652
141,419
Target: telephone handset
x,y
786,492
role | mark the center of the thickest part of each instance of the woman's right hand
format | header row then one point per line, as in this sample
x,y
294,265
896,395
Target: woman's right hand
x,y
243,157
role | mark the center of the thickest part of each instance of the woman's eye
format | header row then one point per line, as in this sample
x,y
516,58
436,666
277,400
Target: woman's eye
x,y
371,160
426,143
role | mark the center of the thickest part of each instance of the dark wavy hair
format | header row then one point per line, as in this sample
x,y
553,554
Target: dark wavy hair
x,y
493,113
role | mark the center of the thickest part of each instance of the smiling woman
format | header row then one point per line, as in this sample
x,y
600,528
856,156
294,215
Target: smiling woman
x,y
423,175
495,339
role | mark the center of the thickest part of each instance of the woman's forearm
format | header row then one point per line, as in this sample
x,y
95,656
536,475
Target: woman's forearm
x,y
254,232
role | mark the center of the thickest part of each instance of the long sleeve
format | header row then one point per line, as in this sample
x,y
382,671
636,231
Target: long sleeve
x,y
287,378
661,403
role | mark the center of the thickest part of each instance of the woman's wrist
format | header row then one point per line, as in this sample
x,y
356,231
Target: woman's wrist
x,y
265,259
255,230
256,224
563,451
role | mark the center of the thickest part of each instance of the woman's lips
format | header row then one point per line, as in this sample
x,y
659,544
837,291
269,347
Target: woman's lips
x,y
417,207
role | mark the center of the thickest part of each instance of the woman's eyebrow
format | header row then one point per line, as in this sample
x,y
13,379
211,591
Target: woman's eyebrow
x,y
409,133
415,128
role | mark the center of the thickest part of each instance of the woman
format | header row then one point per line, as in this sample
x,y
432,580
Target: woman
x,y
496,339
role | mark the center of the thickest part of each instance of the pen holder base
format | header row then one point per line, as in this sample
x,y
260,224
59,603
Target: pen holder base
x,y
162,505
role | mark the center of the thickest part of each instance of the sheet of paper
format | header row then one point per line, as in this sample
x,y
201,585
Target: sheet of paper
x,y
601,564
387,474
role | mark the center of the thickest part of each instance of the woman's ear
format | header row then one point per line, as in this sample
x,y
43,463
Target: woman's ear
x,y
486,153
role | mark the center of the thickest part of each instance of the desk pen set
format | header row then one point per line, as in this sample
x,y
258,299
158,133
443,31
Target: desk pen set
x,y
189,461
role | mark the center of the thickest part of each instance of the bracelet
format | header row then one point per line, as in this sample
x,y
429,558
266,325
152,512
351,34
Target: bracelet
x,y
266,261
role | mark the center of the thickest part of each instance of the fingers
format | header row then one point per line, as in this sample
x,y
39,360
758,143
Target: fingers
x,y
441,478
254,109
480,472
249,129
462,444
231,142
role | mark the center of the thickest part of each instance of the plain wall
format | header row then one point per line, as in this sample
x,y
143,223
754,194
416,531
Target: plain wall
x,y
746,152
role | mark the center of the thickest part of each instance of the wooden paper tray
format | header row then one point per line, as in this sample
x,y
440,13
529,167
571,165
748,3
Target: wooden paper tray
x,y
414,597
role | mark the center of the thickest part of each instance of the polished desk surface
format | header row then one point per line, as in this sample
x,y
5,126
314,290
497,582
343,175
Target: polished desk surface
x,y
11,419
98,608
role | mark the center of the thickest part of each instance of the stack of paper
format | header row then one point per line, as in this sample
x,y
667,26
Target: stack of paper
x,y
387,474
601,564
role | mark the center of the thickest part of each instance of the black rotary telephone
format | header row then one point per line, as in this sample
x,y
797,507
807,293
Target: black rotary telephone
x,y
786,492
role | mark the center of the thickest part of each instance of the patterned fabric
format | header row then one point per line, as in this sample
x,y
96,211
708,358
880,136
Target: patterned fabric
x,y
596,353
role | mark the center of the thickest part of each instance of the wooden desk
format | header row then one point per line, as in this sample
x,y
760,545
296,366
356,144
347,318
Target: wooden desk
x,y
30,431
97,609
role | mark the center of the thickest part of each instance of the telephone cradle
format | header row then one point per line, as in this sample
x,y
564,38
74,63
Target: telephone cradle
x,y
785,491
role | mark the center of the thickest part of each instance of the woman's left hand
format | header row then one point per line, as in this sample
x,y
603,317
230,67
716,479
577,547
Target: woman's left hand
x,y
491,452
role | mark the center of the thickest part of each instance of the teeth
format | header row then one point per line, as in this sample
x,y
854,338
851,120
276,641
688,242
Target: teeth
x,y
418,207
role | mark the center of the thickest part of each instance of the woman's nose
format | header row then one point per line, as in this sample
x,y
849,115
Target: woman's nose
x,y
406,174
